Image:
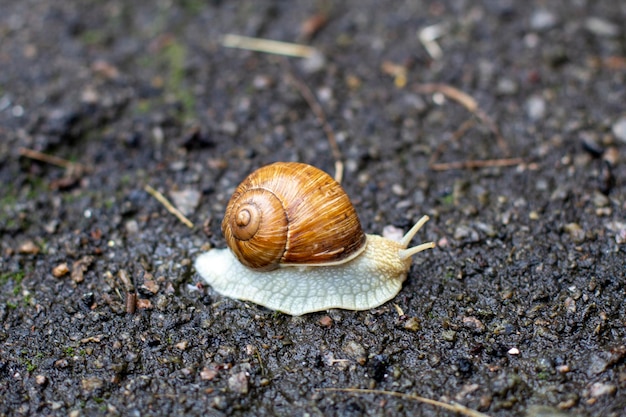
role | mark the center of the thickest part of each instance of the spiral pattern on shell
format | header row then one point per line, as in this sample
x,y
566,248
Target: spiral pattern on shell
x,y
290,213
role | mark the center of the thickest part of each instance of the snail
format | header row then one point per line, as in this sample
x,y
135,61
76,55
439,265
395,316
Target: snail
x,y
295,245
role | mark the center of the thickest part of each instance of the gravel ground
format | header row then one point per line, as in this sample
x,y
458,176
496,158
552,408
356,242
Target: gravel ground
x,y
520,310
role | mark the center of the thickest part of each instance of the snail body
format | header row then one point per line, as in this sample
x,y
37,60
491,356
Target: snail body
x,y
296,245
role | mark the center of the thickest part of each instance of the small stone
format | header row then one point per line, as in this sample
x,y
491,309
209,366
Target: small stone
x,y
238,382
575,231
602,27
219,402
536,107
132,227
392,232
560,193
186,200
149,284
326,321
398,190
619,228
513,351
449,335
412,324
91,384
80,267
229,127
41,379
543,20
144,304
464,232
487,229
563,369
598,389
596,365
262,82
355,351
60,270
208,373
182,345
506,86
567,404
600,200
473,324
619,129
28,247
313,63
61,363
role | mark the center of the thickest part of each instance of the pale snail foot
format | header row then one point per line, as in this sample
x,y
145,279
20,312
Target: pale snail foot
x,y
369,280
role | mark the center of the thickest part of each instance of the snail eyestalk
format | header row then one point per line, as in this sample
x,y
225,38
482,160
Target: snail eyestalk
x,y
407,253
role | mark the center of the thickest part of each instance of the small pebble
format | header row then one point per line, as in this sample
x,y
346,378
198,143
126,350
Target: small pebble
x,y
600,200
602,27
619,129
463,232
563,369
208,373
149,284
599,389
60,270
536,108
449,335
132,227
182,345
314,63
262,82
219,402
412,324
186,200
355,351
567,404
28,247
506,86
91,384
473,324
543,19
144,304
575,232
397,189
238,382
229,127
326,321
392,232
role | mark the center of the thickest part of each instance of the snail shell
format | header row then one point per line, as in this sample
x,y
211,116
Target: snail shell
x,y
291,214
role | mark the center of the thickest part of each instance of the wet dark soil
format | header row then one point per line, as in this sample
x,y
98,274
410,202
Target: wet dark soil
x,y
520,310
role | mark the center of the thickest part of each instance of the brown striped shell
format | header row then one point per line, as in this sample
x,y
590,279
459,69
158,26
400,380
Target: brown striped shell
x,y
290,214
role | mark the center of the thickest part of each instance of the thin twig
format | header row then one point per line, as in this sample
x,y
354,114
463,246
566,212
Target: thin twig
x,y
469,103
317,109
455,407
50,159
268,46
476,163
169,206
